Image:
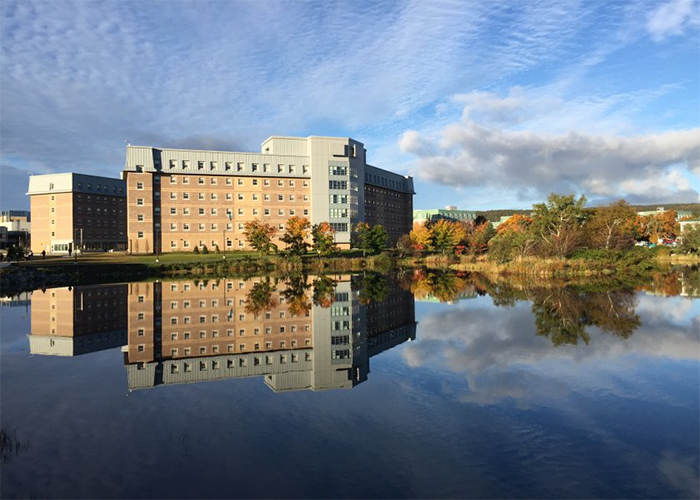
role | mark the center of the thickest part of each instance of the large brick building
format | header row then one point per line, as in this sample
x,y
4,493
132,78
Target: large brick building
x,y
71,211
181,199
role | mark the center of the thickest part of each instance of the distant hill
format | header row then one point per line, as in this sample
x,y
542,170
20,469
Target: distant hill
x,y
495,215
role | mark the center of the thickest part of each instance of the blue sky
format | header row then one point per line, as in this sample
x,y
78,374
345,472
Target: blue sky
x,y
486,104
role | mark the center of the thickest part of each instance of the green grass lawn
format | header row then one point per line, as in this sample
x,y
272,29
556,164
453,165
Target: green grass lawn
x,y
124,258
167,258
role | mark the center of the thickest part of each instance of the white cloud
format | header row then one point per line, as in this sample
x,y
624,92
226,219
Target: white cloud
x,y
497,152
671,18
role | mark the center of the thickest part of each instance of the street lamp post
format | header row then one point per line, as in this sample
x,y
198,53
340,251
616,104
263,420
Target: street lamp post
x,y
157,247
229,215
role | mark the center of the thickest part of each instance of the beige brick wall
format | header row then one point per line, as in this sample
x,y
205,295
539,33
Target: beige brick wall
x,y
183,198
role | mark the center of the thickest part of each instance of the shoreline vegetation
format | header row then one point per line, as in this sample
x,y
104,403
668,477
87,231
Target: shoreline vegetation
x,y
560,239
633,264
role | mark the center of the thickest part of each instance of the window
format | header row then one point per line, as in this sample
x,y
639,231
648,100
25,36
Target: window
x,y
140,234
185,165
200,165
139,201
200,180
337,184
213,165
227,167
341,227
239,167
139,185
185,180
338,170
139,218
254,167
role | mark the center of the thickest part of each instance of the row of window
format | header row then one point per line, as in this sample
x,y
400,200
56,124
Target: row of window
x,y
333,184
239,196
214,181
382,181
229,213
239,167
230,363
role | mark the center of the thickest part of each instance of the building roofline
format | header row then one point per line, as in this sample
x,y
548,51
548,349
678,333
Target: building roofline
x,y
215,151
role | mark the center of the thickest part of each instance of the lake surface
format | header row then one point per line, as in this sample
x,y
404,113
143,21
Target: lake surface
x,y
364,387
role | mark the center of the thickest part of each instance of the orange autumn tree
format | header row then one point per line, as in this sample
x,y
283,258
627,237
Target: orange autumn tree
x,y
296,235
658,226
420,236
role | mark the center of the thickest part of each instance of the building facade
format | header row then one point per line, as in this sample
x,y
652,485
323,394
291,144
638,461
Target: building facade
x,y
435,214
181,199
76,211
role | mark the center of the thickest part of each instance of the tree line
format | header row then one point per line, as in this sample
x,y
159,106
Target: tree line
x,y
300,237
557,228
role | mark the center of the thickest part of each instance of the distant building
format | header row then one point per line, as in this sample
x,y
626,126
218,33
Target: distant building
x,y
501,220
15,215
687,224
661,210
434,214
71,211
15,228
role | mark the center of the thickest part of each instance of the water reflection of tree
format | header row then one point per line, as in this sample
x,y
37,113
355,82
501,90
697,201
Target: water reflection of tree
x,y
324,291
260,298
371,287
563,312
10,444
295,294
445,286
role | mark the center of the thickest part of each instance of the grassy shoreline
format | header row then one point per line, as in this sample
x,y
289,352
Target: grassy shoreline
x,y
110,268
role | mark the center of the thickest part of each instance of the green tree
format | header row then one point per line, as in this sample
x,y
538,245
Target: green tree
x,y
514,238
691,239
323,237
259,235
612,226
370,239
557,223
447,234
296,235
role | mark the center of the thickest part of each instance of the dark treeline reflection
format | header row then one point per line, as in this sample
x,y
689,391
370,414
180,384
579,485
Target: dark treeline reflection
x,y
563,311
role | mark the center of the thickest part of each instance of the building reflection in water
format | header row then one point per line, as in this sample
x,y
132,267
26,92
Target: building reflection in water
x,y
191,331
77,320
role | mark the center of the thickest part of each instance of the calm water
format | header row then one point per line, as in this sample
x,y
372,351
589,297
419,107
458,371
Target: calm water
x,y
360,388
